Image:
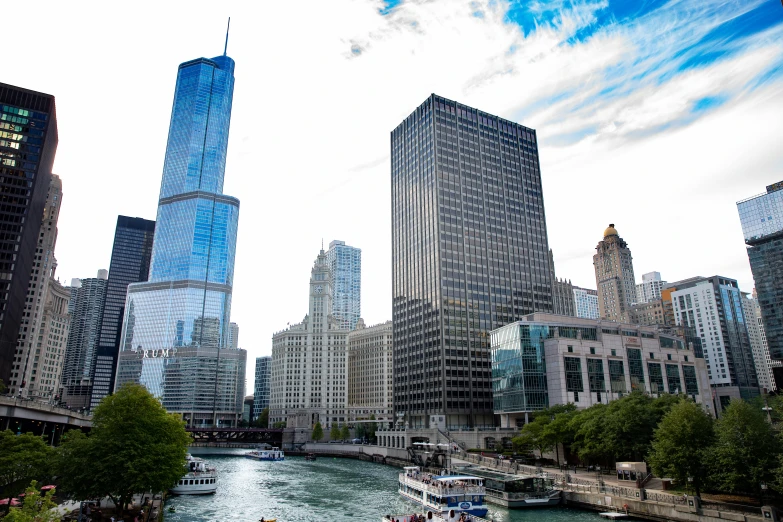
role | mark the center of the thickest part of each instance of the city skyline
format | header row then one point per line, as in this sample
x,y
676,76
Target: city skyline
x,y
741,90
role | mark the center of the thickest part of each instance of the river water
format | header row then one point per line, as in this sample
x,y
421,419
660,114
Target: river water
x,y
328,490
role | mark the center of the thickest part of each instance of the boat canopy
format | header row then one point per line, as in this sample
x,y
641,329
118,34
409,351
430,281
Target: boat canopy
x,y
455,477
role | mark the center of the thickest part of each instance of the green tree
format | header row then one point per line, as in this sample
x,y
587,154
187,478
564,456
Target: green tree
x,y
318,432
630,424
3,387
334,433
345,432
589,442
745,451
531,436
22,458
35,507
279,424
372,427
559,430
682,444
134,446
263,420
361,430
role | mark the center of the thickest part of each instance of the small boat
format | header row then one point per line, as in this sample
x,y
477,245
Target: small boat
x,y
273,454
199,479
444,495
310,456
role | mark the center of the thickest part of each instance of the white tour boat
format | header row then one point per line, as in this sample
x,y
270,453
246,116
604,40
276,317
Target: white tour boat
x,y
444,495
199,478
274,454
451,516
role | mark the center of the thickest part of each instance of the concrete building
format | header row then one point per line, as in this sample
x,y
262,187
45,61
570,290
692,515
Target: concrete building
x,y
370,374
233,336
88,297
586,303
261,388
544,360
309,362
758,342
614,277
562,292
247,409
345,263
649,312
469,254
650,288
712,306
32,381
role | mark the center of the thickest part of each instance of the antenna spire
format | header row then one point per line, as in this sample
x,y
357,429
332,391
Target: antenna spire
x,y
225,49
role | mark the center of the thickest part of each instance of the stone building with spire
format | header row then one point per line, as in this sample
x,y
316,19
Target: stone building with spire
x,y
614,277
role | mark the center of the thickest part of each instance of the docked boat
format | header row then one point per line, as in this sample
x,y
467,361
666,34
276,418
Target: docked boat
x,y
273,454
444,494
199,479
517,491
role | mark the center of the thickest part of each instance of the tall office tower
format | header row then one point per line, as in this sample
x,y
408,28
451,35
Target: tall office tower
x,y
469,254
370,376
586,303
614,276
762,225
233,336
28,142
51,344
178,321
650,288
758,342
346,265
562,292
712,306
309,380
88,297
262,385
28,384
130,263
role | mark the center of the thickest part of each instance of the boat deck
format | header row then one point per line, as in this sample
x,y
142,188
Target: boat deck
x,y
435,518
612,515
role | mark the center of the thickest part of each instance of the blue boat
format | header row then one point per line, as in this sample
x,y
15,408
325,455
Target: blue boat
x,y
444,494
274,454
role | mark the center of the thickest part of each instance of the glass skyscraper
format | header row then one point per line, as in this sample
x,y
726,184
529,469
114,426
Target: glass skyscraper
x,y
469,254
346,265
176,325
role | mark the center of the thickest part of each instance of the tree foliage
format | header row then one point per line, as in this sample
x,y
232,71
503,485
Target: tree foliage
x,y
682,444
318,432
263,420
334,433
36,507
134,446
22,458
345,432
371,428
3,387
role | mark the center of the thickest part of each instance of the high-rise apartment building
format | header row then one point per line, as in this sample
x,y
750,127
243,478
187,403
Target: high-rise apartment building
x,y
233,336
86,310
469,254
712,306
649,312
586,303
762,226
178,321
758,342
614,276
262,388
650,288
346,264
34,381
309,362
28,142
370,372
130,263
562,292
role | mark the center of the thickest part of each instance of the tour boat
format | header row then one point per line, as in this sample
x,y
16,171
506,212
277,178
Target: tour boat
x,y
270,454
451,516
444,494
199,478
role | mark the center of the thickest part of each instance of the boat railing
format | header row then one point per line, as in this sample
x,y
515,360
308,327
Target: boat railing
x,y
442,491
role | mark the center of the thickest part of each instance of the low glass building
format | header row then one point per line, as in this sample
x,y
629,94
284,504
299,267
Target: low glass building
x,y
547,359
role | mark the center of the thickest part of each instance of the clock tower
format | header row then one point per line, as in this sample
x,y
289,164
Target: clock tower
x,y
320,294
614,277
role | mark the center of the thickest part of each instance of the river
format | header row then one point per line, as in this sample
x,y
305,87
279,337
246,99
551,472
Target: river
x,y
328,490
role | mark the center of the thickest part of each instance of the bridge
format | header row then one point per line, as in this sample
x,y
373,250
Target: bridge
x,y
29,416
236,436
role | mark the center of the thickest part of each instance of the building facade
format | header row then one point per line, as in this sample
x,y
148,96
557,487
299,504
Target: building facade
x,y
762,226
758,342
309,362
178,321
544,360
649,312
88,297
586,303
28,142
233,336
130,263
712,306
650,288
562,292
346,265
370,372
29,361
261,389
614,276
469,254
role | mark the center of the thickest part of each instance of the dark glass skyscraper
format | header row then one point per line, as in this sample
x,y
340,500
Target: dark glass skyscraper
x,y
28,142
130,263
469,254
178,321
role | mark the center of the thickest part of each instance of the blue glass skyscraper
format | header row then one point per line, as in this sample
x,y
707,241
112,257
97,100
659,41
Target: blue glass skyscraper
x,y
346,264
176,325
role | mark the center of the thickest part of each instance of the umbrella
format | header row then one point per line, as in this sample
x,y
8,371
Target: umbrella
x,y
14,502
47,488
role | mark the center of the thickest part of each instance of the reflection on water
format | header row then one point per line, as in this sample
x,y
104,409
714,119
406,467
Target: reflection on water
x,y
325,490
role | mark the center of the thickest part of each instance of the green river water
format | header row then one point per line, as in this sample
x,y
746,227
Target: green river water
x,y
328,490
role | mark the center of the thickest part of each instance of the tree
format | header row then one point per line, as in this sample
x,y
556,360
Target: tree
x,y
745,450
279,424
682,444
22,458
558,430
532,436
318,432
3,387
372,427
345,432
590,442
263,420
334,434
135,446
36,507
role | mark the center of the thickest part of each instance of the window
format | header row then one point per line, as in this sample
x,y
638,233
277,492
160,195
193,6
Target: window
x,y
669,356
595,375
573,374
656,377
570,349
614,352
592,351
